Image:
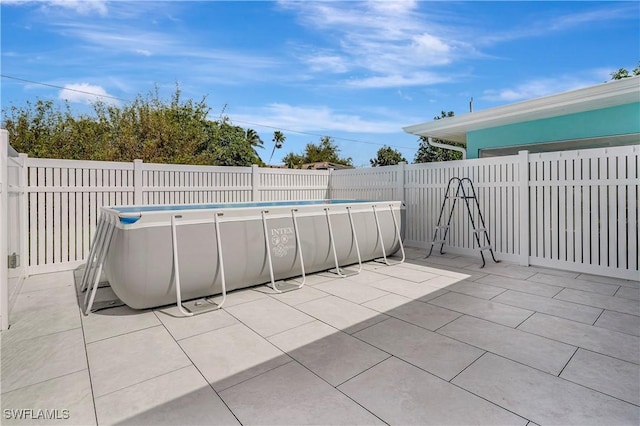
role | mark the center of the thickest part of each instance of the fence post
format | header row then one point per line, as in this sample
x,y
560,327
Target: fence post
x,y
255,183
137,182
4,230
399,190
329,183
523,157
24,214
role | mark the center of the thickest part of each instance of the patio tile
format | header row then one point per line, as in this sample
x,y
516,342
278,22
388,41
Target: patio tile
x,y
558,308
114,322
268,316
34,301
364,277
612,303
475,289
502,269
30,324
342,314
418,313
521,285
36,360
301,295
557,272
432,295
47,281
623,323
182,327
439,270
313,279
405,288
456,262
330,353
181,397
125,360
534,351
430,351
70,392
596,339
292,395
230,355
485,309
541,397
238,297
578,284
352,291
405,272
608,375
400,393
610,280
628,293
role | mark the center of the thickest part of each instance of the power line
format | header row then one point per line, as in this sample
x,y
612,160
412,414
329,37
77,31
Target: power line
x,y
62,88
239,121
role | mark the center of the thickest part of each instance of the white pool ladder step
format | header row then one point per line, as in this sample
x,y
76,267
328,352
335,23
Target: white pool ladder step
x,y
396,228
97,255
282,286
176,264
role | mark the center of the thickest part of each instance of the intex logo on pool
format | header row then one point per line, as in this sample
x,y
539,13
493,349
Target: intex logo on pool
x,y
282,240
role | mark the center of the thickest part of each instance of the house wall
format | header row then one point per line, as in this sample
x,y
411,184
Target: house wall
x,y
617,120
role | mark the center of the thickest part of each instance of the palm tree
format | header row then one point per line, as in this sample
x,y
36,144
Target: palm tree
x,y
254,139
278,141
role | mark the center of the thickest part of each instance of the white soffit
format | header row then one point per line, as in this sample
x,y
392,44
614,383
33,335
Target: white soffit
x,y
612,93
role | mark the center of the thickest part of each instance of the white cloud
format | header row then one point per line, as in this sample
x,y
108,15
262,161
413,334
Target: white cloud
x,y
542,87
317,119
85,93
82,7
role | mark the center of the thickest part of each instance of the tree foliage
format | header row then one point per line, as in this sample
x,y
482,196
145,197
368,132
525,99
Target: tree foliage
x,y
148,128
427,153
624,73
278,142
326,150
387,156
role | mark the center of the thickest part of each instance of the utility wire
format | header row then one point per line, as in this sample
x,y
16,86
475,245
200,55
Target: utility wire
x,y
239,121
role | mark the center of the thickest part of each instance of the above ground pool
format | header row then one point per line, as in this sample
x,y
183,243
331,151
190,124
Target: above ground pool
x,y
157,255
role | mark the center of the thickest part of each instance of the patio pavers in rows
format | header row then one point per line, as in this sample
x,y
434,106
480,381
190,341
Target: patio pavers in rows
x,y
352,291
541,397
182,328
555,307
268,316
437,354
613,303
400,393
233,354
472,288
115,322
179,397
605,374
341,314
292,395
523,286
529,349
576,283
331,354
415,312
596,339
70,392
486,309
616,321
409,289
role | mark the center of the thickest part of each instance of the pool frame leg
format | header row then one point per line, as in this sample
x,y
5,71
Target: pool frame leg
x,y
397,231
338,271
269,258
97,240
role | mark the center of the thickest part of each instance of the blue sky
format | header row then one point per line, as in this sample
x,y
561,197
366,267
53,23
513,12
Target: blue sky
x,y
355,71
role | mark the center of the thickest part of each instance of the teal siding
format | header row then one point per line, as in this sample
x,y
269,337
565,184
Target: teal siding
x,y
618,120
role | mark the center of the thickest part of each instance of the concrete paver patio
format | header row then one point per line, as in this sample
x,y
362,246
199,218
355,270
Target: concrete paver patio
x,y
431,341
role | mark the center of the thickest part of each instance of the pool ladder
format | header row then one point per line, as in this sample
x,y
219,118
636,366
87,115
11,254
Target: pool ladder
x,y
97,255
176,263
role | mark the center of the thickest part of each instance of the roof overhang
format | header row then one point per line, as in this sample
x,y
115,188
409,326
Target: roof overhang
x,y
609,94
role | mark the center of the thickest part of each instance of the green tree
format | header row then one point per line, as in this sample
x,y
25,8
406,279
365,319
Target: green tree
x,y
326,150
278,142
427,153
624,73
148,128
387,156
